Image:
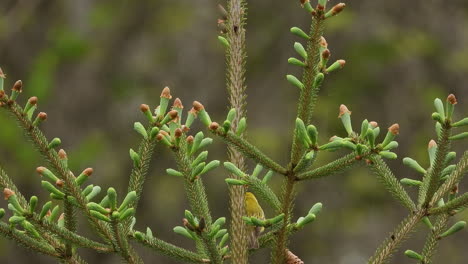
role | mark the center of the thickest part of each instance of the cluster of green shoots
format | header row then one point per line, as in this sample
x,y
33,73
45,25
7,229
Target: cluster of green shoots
x,y
52,228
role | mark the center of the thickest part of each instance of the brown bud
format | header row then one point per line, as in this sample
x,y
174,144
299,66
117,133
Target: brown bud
x,y
452,99
59,183
332,138
2,93
61,217
144,108
198,106
369,162
62,154
320,7
185,128
323,42
178,103
358,157
338,8
88,171
343,110
214,126
40,170
166,93
373,124
164,133
178,133
394,129
159,137
42,116
304,1
432,144
454,190
49,213
201,224
173,114
32,100
18,86
189,139
193,111
7,193
342,63
326,54
2,75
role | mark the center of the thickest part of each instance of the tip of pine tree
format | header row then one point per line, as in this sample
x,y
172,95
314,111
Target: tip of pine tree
x,y
338,8
173,114
394,129
178,104
178,133
62,154
61,217
166,93
2,93
144,108
326,54
214,126
18,86
432,144
373,124
32,100
189,139
59,183
344,110
342,63
323,42
452,99
198,106
164,133
2,75
42,116
88,171
40,170
7,193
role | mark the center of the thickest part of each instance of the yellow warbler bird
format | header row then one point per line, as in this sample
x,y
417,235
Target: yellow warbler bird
x,y
253,209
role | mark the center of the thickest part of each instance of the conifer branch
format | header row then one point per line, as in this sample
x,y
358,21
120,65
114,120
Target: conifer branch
x,y
432,240
264,192
431,181
455,204
388,247
335,167
124,248
170,250
250,151
391,183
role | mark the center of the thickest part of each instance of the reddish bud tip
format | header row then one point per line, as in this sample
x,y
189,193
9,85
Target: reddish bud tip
x,y
7,193
144,108
166,93
42,116
193,111
214,126
373,124
198,106
59,183
432,144
178,104
2,93
62,154
185,128
164,133
40,170
452,99
343,110
189,139
332,138
338,8
323,42
178,133
159,137
88,171
326,54
173,114
33,100
394,129
369,162
18,86
342,63
2,75
61,217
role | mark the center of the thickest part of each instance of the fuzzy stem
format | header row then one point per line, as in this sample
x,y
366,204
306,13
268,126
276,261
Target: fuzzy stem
x,y
455,204
125,250
404,229
431,181
432,240
455,177
391,183
331,168
171,250
309,93
70,224
251,151
40,141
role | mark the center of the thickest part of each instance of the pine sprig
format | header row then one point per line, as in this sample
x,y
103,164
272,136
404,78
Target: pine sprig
x,y
391,183
335,167
263,191
400,234
455,204
432,240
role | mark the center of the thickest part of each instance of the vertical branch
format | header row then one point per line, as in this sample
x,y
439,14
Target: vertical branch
x,y
432,240
235,80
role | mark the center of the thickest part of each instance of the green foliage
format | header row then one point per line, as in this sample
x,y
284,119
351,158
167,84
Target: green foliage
x,y
53,231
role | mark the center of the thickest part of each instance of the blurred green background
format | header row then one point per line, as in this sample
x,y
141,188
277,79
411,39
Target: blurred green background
x,y
92,63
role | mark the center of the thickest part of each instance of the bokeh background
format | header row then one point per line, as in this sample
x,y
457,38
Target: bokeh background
x,y
92,63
